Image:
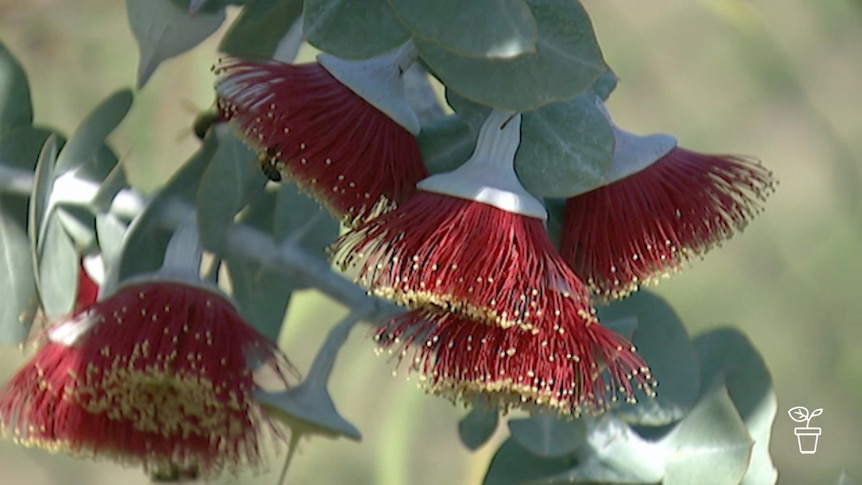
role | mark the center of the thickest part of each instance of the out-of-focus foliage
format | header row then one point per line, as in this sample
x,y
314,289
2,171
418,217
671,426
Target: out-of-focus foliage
x,y
771,79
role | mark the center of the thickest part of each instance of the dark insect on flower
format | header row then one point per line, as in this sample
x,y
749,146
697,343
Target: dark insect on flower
x,y
269,163
342,130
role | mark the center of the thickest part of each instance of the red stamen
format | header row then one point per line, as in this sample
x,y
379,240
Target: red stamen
x,y
632,231
349,155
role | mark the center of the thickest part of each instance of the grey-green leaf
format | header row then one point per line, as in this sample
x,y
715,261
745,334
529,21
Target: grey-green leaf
x,y
144,245
477,427
478,28
567,61
614,454
163,30
711,445
556,215
605,84
548,436
565,148
260,27
58,267
17,280
334,26
663,342
624,326
446,144
514,465
111,232
20,147
83,147
16,109
221,192
262,295
729,354
300,218
43,184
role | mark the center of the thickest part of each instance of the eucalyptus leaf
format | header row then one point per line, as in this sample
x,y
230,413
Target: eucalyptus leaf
x,y
556,215
663,342
478,28
164,29
446,144
614,454
145,242
16,109
193,7
84,146
77,193
477,427
333,26
43,184
513,465
729,354
308,407
566,63
58,266
298,217
110,231
260,27
261,294
80,226
221,193
565,148
111,186
711,445
548,436
20,147
625,326
17,279
605,84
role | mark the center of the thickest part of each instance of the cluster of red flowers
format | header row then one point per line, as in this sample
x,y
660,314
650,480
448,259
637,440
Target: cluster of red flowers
x,y
159,373
494,309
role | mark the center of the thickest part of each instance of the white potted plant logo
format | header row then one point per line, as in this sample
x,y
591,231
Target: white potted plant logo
x,y
806,436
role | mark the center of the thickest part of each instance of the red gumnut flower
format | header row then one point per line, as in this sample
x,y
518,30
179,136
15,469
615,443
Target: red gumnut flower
x,y
341,129
469,254
664,205
568,363
471,241
158,374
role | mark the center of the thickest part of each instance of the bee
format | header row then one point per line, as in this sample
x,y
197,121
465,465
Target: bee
x,y
268,161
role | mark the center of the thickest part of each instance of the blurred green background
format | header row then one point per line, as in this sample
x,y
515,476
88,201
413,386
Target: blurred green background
x,y
778,79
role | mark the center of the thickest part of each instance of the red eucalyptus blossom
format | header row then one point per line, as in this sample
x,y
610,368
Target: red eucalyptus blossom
x,y
470,255
341,129
568,363
157,374
665,205
471,241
